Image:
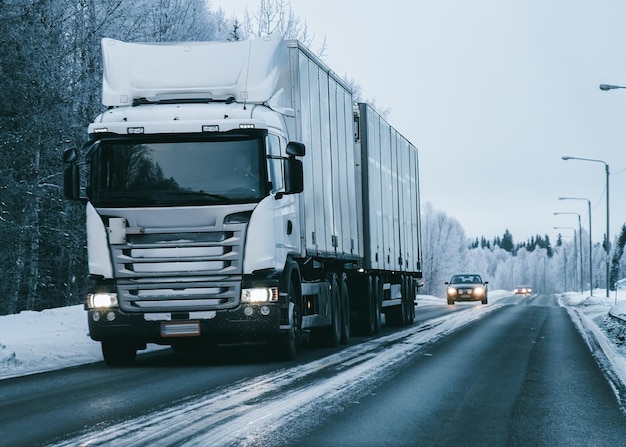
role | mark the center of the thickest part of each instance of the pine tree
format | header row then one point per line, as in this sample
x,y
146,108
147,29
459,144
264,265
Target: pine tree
x,y
507,242
614,274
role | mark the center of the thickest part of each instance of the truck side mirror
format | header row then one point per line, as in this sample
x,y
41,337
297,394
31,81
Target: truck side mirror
x,y
295,149
71,182
70,155
294,176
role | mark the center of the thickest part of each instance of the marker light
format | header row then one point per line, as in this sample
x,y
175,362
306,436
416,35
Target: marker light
x,y
134,130
100,130
210,128
246,126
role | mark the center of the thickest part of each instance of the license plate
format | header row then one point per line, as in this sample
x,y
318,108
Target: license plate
x,y
180,329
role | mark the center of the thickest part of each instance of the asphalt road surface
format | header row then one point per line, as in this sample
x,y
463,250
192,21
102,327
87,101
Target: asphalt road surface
x,y
521,377
513,373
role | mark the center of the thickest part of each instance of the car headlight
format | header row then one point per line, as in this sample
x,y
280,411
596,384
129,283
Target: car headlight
x,y
102,300
452,291
259,295
479,291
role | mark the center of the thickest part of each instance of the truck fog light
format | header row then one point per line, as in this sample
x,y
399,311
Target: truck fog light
x,y
110,316
248,311
265,311
95,316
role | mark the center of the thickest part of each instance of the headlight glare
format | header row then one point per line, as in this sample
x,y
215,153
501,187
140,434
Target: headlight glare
x,y
101,300
259,295
479,291
451,291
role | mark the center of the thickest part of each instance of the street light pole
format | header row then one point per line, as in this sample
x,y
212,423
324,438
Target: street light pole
x,y
590,242
608,237
580,245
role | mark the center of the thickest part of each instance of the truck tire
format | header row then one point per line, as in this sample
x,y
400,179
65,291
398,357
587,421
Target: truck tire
x,y
369,317
286,346
345,310
331,335
410,298
378,302
118,353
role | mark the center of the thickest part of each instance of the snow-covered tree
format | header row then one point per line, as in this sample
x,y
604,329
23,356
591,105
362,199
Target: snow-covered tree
x,y
444,249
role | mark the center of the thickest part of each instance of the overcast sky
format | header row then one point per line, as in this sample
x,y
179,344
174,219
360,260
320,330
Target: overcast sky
x,y
493,93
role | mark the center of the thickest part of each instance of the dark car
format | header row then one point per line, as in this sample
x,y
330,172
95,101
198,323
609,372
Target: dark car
x,y
523,290
466,287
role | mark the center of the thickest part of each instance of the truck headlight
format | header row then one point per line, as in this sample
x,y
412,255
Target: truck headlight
x,y
101,300
259,295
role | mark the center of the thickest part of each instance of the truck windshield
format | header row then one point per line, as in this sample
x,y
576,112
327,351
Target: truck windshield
x,y
157,173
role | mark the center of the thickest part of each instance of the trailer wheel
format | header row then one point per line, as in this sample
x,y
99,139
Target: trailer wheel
x,y
118,353
345,310
332,333
378,303
370,322
410,298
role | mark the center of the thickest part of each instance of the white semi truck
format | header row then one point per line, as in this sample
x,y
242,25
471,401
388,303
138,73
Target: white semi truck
x,y
206,221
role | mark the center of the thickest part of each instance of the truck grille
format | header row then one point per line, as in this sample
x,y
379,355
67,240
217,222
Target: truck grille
x,y
195,294
179,254
166,272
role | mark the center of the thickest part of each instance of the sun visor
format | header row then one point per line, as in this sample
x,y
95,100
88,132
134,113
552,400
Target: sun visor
x,y
248,70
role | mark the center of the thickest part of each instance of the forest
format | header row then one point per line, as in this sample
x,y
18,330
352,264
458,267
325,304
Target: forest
x,y
50,85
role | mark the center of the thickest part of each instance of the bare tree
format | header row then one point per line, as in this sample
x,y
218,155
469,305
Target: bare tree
x,y
50,68
277,17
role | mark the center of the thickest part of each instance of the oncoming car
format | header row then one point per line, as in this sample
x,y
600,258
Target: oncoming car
x,y
523,290
466,287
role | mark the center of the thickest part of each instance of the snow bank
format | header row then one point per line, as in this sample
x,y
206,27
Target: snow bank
x,y
32,342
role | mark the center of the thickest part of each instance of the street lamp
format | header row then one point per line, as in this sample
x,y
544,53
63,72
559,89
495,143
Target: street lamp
x,y
607,87
565,255
590,242
580,244
608,240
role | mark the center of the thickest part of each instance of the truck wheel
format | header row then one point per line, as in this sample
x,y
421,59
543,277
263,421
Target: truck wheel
x,y
287,343
371,313
117,353
410,301
345,310
378,300
332,333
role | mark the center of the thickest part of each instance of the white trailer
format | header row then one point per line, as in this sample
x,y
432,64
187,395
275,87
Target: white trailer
x,y
206,221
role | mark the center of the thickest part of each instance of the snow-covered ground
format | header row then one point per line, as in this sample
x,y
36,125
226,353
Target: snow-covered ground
x,y
33,342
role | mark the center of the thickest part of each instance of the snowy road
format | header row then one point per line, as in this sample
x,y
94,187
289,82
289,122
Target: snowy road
x,y
518,364
234,402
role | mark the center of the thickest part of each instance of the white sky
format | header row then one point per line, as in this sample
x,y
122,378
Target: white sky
x,y
493,93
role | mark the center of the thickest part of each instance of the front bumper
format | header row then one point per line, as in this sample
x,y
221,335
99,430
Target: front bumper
x,y
468,297
243,324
